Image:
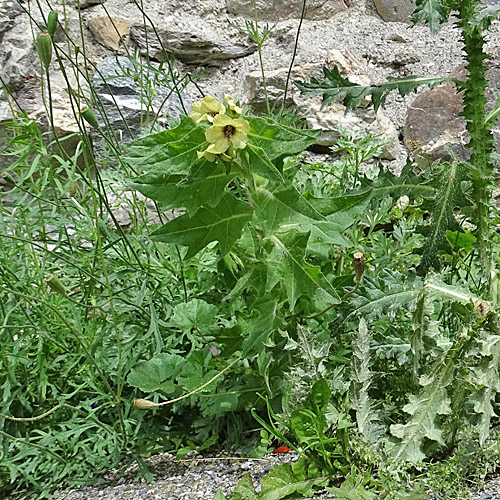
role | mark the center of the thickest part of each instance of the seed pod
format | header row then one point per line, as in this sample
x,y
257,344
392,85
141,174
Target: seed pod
x,y
144,404
89,116
52,23
358,263
55,285
77,49
72,188
44,49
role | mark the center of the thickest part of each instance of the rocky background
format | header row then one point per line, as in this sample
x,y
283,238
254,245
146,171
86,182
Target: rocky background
x,y
369,40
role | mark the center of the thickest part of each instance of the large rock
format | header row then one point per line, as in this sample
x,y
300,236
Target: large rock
x,y
109,31
330,118
123,102
274,10
395,10
192,40
433,125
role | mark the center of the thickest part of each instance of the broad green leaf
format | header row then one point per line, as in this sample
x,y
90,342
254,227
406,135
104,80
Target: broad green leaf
x,y
222,223
258,328
195,314
286,264
287,479
156,374
458,240
319,397
171,151
335,88
278,140
203,186
328,206
281,207
219,495
259,163
442,216
432,12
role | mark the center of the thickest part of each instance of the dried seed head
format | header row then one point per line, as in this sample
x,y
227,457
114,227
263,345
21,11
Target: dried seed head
x,y
144,404
358,263
44,49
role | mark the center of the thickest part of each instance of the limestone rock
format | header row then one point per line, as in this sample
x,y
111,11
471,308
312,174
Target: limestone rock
x,y
327,119
433,124
274,10
109,31
395,10
193,41
123,102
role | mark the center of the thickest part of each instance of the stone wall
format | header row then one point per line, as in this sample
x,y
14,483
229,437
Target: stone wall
x,y
369,40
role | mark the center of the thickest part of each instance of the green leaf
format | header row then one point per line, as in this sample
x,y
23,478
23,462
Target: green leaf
x,y
353,488
156,374
459,240
384,294
264,321
335,88
220,496
244,490
195,314
281,207
259,163
278,140
432,12
223,223
319,397
286,264
442,216
287,479
203,186
170,152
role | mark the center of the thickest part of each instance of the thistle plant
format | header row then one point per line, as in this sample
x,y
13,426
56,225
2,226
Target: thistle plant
x,y
473,23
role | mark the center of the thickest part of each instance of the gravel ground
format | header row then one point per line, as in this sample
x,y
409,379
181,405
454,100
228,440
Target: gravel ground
x,y
198,478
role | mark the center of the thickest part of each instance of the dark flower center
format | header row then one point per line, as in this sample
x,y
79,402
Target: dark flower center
x,y
229,131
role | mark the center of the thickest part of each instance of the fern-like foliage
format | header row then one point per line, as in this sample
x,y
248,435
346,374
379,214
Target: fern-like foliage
x,y
367,417
449,194
336,88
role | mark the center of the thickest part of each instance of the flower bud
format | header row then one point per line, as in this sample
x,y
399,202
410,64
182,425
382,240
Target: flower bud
x,y
44,49
52,23
55,285
89,116
144,404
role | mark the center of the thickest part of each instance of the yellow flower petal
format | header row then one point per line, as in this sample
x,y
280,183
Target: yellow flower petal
x,y
206,109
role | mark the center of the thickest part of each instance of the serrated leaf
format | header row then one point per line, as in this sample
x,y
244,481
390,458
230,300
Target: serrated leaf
x,y
335,88
156,374
170,152
286,264
195,314
244,489
431,12
279,207
223,223
203,186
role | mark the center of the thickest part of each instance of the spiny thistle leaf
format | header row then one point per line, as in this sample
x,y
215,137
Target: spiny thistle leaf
x,y
448,195
366,415
335,88
432,12
488,379
384,294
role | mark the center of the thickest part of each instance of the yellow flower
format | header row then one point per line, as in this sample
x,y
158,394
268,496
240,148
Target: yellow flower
x,y
206,109
231,103
210,156
227,132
